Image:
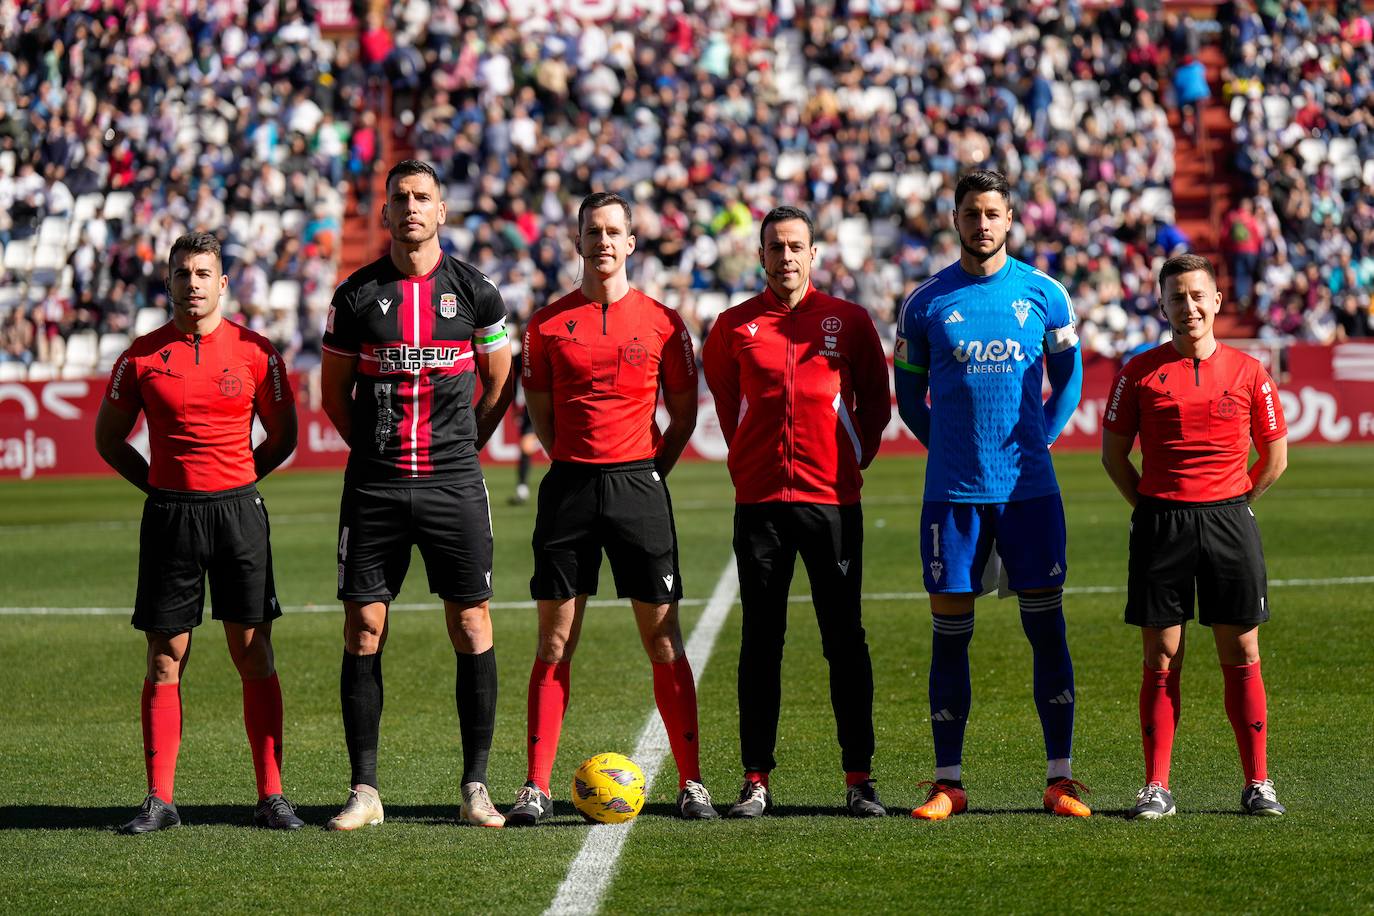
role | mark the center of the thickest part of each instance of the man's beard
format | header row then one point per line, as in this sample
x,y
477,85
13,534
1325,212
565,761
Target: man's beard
x,y
978,255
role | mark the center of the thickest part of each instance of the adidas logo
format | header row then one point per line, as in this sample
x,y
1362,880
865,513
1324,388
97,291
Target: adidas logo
x,y
1064,699
954,317
753,328
1057,570
943,715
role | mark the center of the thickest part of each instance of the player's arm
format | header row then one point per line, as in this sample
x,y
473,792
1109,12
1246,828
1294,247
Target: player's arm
x,y
722,377
336,391
1065,373
1116,458
872,397
112,428
280,426
1269,466
498,390
539,405
911,368
682,420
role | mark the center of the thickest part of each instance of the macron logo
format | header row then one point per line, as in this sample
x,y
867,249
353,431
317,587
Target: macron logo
x,y
844,567
384,304
668,581
954,317
753,328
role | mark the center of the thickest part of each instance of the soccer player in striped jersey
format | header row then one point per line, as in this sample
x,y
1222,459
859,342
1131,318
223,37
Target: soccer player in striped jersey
x,y
979,336
407,341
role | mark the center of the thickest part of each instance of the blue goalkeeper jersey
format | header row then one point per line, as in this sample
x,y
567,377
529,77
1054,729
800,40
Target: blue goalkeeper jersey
x,y
983,340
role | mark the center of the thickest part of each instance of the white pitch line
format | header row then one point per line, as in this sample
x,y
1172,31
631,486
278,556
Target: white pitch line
x,y
331,608
591,871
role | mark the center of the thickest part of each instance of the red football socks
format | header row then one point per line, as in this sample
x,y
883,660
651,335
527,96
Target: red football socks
x,y
1247,709
856,778
676,695
1160,704
756,776
161,709
262,720
550,688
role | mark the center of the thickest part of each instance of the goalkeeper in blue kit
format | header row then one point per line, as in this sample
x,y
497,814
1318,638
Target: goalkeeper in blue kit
x,y
979,336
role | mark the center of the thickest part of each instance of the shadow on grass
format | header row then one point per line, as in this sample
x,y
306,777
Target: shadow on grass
x,y
65,817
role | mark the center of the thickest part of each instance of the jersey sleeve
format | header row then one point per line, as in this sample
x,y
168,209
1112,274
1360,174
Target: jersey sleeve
x,y
122,391
342,332
1122,414
678,366
911,352
273,395
872,396
721,369
535,372
489,317
1061,331
1266,410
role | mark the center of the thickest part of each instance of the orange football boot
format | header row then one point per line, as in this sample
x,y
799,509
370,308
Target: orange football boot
x,y
1062,799
942,802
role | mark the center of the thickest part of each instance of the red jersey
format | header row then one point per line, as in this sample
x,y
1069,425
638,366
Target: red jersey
x,y
199,394
416,340
1195,419
603,363
801,395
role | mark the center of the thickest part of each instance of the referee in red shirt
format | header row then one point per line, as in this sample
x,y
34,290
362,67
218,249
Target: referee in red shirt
x,y
801,389
593,364
1197,405
199,380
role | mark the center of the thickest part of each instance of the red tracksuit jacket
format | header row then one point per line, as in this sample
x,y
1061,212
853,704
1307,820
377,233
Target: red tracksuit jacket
x,y
801,395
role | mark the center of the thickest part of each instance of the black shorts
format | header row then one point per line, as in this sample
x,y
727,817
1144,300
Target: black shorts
x,y
1214,547
186,535
526,424
378,524
623,508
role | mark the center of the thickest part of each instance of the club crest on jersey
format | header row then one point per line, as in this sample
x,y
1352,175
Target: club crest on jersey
x,y
1022,308
448,305
831,325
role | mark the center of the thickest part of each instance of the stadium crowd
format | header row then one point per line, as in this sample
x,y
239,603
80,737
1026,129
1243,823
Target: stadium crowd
x,y
1300,241
123,124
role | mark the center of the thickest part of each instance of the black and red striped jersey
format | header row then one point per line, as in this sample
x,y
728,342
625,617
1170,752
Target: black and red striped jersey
x,y
416,341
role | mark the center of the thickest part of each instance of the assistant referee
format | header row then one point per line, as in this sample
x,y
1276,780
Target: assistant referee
x,y
199,380
1197,405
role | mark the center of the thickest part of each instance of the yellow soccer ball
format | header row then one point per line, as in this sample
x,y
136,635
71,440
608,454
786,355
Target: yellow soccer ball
x,y
608,788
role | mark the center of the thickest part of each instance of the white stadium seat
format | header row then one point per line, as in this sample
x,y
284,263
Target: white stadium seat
x,y
8,160
13,372
148,320
284,295
87,207
111,345
18,255
118,205
83,351
42,372
709,304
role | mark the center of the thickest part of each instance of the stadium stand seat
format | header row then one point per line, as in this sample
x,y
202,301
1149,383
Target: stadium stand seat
x,y
284,294
148,320
8,159
118,205
19,255
111,345
709,304
41,372
83,353
1345,160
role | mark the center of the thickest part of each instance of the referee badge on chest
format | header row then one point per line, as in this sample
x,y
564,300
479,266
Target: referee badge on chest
x,y
448,305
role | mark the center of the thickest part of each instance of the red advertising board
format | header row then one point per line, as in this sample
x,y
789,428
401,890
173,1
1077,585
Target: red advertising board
x,y
46,428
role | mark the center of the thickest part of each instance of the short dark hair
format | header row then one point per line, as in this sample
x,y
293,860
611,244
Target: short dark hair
x,y
411,167
195,243
782,215
605,199
1184,264
980,181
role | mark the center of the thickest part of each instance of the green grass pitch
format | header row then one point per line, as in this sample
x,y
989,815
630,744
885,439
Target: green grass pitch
x,y
70,760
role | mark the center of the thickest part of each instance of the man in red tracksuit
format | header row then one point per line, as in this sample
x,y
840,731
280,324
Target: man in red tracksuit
x,y
801,389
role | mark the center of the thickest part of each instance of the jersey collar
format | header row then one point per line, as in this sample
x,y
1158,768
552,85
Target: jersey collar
x,y
777,301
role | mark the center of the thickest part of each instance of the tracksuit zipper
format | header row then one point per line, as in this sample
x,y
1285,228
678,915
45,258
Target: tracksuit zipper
x,y
196,343
1197,376
787,400
605,307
